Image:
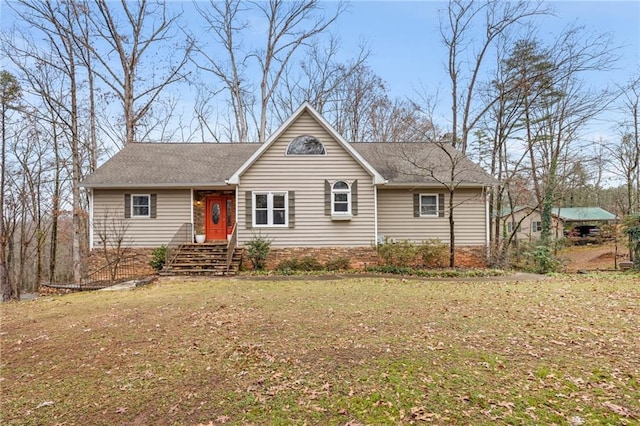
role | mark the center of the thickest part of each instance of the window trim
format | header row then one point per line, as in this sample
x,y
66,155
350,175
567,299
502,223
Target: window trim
x,y
270,209
437,205
133,206
341,215
536,226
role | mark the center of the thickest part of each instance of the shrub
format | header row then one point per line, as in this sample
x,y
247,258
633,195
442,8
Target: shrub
x,y
159,257
258,249
400,254
288,265
434,253
338,264
310,263
541,260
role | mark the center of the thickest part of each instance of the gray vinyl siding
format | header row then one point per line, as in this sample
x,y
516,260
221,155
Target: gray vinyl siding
x,y
396,219
306,175
173,209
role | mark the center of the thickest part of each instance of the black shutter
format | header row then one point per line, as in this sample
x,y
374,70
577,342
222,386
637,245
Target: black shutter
x,y
292,209
248,209
127,206
440,205
153,205
327,198
416,205
354,198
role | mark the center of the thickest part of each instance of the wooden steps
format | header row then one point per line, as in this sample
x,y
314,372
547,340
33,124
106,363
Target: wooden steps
x,y
203,259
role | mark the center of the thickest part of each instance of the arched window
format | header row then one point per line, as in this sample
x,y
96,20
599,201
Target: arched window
x,y
341,198
306,145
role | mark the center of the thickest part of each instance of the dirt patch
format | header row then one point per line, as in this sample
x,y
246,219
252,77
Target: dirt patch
x,y
593,257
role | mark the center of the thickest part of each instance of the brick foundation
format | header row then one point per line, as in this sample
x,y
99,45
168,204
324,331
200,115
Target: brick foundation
x,y
360,257
471,257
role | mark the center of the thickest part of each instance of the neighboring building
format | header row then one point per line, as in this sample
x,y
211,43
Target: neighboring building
x,y
305,188
529,221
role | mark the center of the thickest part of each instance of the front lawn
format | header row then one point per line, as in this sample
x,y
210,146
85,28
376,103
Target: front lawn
x,y
355,351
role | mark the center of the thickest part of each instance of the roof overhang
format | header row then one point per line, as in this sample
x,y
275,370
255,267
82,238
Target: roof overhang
x,y
208,185
434,185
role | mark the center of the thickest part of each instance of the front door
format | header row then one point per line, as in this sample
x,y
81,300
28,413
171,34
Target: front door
x,y
218,217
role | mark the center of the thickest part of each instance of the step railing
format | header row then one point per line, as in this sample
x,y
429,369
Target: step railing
x,y
231,246
120,268
183,236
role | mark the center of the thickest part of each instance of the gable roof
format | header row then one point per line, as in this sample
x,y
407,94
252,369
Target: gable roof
x,y
582,214
171,165
422,163
218,164
306,107
507,211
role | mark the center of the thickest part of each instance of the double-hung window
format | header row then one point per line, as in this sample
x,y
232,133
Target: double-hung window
x,y
428,205
340,199
536,226
270,208
140,205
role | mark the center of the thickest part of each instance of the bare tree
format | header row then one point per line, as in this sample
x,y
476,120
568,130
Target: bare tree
x,y
132,33
112,234
291,24
319,78
631,142
225,21
463,21
11,93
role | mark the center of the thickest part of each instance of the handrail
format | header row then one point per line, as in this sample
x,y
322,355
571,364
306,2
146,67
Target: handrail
x,y
231,245
183,235
118,268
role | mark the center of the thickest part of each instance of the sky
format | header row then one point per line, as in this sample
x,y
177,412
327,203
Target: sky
x,y
408,54
407,51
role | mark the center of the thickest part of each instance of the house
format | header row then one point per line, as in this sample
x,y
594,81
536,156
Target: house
x,y
528,220
305,188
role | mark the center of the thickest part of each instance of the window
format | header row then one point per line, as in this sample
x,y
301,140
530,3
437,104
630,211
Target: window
x,y
306,145
270,209
510,227
140,205
536,226
428,205
341,199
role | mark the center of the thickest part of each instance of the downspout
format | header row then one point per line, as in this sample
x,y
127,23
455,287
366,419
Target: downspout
x,y
487,229
237,209
375,213
90,219
191,208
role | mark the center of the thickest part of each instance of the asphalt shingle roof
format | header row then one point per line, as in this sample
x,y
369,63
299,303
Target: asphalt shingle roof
x,y
211,164
420,163
171,164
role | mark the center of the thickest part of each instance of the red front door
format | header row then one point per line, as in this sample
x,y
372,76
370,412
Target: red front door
x,y
218,217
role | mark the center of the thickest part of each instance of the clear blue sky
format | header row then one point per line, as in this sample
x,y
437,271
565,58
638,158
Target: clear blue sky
x,y
407,51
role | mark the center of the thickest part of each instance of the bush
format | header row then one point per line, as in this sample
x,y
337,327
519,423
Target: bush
x,y
159,257
541,260
400,254
338,264
305,264
258,249
434,254
288,265
309,263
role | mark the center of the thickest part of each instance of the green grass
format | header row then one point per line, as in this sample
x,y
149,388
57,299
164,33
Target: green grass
x,y
358,351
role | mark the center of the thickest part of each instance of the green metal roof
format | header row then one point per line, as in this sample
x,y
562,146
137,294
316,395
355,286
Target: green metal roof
x,y
582,214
